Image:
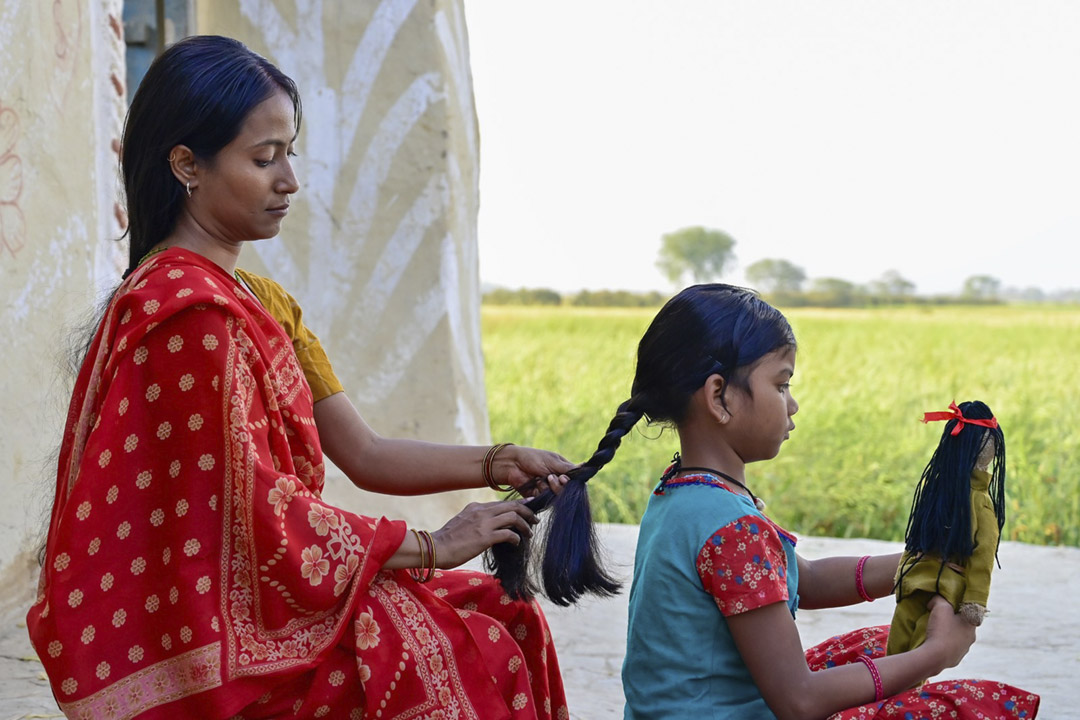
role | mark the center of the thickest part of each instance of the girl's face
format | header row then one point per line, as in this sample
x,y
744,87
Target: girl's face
x,y
761,419
243,194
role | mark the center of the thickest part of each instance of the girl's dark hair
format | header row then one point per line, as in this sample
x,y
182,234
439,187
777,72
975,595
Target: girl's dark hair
x,y
940,520
197,93
702,331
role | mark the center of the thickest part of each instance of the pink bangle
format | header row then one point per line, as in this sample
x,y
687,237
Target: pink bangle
x,y
859,587
879,693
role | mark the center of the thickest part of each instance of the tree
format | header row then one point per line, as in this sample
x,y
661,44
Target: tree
x,y
774,277
981,287
833,292
698,252
892,286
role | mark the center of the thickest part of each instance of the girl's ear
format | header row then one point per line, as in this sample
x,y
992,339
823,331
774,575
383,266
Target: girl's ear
x,y
714,398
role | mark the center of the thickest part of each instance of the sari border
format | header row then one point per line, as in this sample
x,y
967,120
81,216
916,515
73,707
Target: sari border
x,y
444,689
193,672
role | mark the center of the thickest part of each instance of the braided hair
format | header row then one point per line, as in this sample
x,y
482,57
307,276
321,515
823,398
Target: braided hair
x,y
705,330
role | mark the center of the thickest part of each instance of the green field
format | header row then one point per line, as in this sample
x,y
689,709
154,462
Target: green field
x,y
863,379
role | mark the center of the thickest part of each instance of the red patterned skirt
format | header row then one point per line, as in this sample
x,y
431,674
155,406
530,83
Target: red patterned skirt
x,y
982,699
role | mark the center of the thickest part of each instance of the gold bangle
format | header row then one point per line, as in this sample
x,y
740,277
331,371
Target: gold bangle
x,y
426,571
420,542
489,460
431,548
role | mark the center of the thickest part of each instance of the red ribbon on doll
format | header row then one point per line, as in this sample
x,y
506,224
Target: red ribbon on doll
x,y
955,414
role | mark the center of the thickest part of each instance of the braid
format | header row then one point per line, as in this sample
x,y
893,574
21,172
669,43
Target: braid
x,y
997,484
626,417
567,541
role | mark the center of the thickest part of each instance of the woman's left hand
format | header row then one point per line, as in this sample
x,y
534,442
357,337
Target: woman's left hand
x,y
515,466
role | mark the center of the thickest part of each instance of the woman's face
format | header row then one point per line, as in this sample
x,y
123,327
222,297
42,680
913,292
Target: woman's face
x,y
243,192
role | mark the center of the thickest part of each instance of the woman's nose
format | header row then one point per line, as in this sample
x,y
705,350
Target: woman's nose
x,y
288,184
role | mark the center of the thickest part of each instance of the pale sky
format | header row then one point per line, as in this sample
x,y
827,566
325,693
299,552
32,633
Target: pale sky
x,y
939,138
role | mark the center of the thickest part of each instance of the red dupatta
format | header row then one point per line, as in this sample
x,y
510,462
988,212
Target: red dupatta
x,y
190,560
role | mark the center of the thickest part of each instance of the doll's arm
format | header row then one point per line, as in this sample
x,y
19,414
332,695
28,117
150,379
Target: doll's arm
x,y
981,564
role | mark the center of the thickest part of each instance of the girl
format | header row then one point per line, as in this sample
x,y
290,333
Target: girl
x,y
716,583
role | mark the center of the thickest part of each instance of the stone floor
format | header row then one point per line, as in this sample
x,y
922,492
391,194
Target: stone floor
x,y
1031,639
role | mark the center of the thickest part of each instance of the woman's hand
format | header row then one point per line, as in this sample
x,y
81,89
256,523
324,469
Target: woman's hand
x,y
478,527
949,633
515,466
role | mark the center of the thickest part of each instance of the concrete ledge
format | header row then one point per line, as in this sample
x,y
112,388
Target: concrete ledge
x,y
1030,640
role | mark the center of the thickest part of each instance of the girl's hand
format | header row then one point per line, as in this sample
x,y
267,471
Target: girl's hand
x,y
949,633
515,466
478,527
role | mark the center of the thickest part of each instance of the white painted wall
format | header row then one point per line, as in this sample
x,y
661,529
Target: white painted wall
x,y
60,112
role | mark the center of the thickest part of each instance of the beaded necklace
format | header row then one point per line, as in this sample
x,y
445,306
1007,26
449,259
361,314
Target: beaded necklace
x,y
722,477
758,502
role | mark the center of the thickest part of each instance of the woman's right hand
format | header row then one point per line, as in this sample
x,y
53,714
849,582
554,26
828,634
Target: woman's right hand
x,y
478,527
948,632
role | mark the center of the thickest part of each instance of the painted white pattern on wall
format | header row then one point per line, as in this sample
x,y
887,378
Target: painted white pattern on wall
x,y
429,309
393,262
340,257
389,228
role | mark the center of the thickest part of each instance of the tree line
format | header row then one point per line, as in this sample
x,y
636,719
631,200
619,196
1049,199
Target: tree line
x,y
698,254
584,298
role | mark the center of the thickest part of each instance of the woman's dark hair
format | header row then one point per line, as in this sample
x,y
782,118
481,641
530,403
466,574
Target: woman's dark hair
x,y
702,331
940,520
197,93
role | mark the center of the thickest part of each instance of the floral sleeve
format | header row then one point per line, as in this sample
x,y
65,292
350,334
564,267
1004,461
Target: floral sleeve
x,y
743,566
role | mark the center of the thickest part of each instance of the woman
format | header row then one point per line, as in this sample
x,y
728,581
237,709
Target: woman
x,y
191,566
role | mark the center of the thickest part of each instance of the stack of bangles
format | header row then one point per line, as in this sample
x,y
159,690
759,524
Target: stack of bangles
x,y
489,459
426,570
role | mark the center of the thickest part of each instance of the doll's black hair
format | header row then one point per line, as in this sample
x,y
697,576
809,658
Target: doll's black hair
x,y
702,331
940,520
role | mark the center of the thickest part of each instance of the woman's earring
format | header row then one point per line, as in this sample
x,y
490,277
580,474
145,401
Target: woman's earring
x,y
188,186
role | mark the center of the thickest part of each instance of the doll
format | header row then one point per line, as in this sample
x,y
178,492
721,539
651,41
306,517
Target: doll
x,y
955,524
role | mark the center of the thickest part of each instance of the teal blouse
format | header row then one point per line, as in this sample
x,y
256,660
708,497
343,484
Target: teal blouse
x,y
704,553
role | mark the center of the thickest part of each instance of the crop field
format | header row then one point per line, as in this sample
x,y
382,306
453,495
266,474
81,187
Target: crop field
x,y
863,379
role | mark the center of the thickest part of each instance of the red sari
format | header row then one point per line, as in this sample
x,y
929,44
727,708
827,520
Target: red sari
x,y
192,567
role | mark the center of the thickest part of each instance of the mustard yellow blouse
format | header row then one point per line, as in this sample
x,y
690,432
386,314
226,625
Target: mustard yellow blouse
x,y
309,351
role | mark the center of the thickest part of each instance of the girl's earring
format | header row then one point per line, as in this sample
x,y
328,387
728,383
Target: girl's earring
x,y
188,186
